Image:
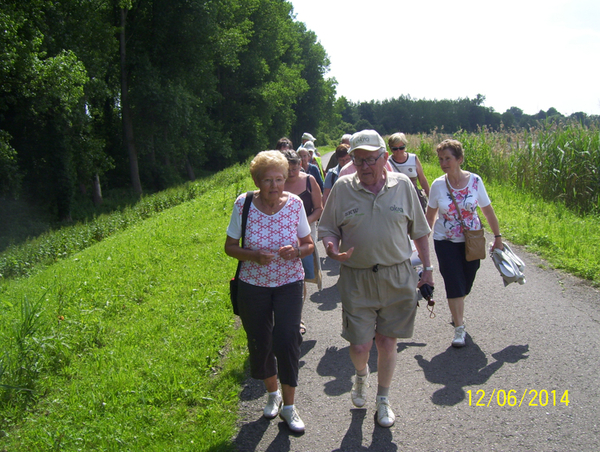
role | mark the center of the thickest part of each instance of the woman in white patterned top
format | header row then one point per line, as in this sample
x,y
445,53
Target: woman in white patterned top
x,y
448,238
271,281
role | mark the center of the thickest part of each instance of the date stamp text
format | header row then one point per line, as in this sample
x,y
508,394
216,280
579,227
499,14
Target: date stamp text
x,y
529,397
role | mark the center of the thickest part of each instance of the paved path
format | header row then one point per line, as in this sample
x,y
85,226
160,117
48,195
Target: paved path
x,y
542,336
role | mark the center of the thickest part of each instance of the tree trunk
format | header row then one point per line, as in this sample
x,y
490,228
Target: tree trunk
x,y
189,169
127,123
97,190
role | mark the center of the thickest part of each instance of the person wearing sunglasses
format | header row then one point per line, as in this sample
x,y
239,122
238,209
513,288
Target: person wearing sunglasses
x,y
366,225
406,163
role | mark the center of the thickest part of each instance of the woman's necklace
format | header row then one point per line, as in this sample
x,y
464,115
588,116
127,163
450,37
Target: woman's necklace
x,y
266,208
459,181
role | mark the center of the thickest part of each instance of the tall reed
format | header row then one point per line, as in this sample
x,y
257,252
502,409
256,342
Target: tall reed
x,y
556,161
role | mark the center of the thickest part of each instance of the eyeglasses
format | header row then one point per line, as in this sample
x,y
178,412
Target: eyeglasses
x,y
370,160
399,148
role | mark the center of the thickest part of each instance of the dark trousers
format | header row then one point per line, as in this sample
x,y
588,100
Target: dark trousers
x,y
458,273
271,318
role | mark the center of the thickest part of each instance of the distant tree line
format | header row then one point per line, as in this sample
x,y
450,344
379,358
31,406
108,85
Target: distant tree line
x,y
143,93
414,116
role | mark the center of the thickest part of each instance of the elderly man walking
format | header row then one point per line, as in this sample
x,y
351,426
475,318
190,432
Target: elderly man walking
x,y
366,225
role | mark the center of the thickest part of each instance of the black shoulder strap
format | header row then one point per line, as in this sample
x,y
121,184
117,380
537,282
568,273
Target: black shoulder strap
x,y
245,211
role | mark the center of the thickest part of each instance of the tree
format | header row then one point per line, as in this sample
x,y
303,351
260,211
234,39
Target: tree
x,y
314,108
125,106
508,119
42,94
516,112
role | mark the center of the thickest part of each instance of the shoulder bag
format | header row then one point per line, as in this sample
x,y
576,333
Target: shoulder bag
x,y
423,200
233,284
474,239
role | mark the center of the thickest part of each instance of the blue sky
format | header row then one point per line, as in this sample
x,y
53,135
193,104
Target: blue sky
x,y
530,54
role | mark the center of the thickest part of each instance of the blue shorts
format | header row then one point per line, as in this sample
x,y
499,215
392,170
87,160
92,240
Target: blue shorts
x,y
309,267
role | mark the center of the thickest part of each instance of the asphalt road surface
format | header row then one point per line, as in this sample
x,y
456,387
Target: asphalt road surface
x,y
529,349
526,346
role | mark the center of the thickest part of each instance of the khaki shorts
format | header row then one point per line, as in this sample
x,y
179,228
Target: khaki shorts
x,y
384,301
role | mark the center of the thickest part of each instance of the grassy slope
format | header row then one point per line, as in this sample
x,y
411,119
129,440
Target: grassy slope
x,y
135,364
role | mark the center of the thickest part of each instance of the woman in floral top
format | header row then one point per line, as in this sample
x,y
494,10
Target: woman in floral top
x,y
448,237
271,281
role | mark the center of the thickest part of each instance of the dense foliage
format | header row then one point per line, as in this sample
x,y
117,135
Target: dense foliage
x,y
144,92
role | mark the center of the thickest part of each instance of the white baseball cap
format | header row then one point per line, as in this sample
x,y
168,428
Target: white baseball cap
x,y
308,136
367,139
309,146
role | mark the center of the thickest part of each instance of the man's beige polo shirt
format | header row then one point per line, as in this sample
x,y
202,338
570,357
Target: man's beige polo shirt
x,y
376,225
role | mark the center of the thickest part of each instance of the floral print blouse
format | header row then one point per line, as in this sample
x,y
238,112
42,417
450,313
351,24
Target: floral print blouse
x,y
448,226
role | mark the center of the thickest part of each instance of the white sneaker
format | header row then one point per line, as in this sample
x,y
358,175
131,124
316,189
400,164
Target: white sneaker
x,y
459,336
385,415
290,416
273,405
359,389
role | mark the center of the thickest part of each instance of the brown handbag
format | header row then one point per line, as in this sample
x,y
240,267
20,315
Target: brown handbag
x,y
474,239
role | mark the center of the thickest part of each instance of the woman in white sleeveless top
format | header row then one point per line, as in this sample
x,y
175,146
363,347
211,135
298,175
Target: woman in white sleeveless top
x,y
408,164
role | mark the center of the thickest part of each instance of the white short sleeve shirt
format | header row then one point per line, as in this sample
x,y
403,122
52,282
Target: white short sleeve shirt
x,y
270,232
447,226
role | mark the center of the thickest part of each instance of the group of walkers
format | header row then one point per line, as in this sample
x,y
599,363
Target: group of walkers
x,y
368,213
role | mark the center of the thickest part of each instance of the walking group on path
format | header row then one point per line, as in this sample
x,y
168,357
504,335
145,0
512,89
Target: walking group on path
x,y
368,224
365,231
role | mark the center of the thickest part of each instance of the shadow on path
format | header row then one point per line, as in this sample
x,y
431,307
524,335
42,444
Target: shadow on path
x,y
336,363
330,267
468,366
255,389
352,441
251,434
327,299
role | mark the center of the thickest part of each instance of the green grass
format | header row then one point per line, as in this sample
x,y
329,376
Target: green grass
x,y
554,161
135,346
53,245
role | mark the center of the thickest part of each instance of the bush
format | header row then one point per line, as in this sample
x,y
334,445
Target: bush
x,y
21,260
